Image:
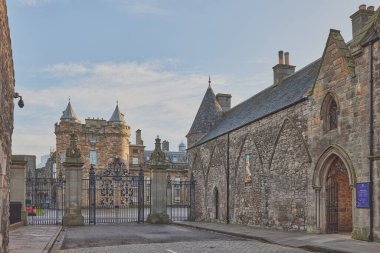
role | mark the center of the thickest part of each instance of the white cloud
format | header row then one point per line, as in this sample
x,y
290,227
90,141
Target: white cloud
x,y
153,99
34,2
143,7
62,69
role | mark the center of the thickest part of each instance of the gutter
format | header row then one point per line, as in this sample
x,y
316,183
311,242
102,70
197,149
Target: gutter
x,y
228,178
371,140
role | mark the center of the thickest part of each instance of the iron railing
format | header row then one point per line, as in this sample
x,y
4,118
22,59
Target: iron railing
x,y
116,198
45,200
180,196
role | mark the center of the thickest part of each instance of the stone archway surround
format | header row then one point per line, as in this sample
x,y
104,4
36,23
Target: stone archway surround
x,y
319,181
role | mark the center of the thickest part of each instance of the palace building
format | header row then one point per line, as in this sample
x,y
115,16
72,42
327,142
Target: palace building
x,y
100,141
304,153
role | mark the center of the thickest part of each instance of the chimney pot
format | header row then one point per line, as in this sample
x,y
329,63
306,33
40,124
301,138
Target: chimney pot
x,y
165,145
360,18
282,71
281,57
287,58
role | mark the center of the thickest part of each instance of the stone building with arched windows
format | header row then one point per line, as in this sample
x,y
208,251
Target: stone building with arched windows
x,y
303,154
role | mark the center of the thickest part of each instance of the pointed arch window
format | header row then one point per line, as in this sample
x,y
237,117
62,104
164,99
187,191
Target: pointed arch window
x,y
330,113
333,115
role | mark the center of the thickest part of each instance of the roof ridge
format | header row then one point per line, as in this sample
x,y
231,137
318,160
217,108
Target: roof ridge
x,y
273,86
274,98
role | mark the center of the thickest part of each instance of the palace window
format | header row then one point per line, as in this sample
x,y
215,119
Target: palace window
x,y
54,171
93,140
135,161
93,157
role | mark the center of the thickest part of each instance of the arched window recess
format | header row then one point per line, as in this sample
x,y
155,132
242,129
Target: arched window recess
x,y
330,112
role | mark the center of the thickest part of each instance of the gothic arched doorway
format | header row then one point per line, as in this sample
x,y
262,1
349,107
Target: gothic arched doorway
x,y
338,198
333,181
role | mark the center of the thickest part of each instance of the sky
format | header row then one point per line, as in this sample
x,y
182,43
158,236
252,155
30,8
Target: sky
x,y
154,57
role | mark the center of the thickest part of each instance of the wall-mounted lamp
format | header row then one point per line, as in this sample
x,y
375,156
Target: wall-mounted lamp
x,y
20,102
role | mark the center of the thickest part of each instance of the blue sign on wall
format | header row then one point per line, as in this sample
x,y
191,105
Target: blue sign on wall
x,y
362,195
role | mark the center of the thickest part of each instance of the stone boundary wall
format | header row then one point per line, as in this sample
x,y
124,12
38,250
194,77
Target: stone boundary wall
x,y
6,122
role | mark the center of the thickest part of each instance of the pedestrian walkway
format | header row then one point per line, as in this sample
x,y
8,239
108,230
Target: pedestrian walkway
x,y
33,239
339,243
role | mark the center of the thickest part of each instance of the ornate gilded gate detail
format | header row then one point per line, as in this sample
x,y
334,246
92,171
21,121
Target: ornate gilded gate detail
x,y
114,196
107,193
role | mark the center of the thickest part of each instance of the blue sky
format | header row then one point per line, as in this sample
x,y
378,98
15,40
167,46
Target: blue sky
x,y
154,57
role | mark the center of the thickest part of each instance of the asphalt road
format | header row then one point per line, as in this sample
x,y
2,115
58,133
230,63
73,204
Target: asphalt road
x,y
144,238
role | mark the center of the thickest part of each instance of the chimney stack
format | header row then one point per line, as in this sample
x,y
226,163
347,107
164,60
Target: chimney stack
x,y
360,18
281,70
224,100
139,141
165,145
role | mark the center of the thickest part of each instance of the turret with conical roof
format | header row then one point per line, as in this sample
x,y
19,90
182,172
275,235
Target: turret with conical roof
x,y
98,140
69,115
117,116
208,113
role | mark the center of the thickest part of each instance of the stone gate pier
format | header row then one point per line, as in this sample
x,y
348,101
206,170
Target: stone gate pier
x,y
73,174
158,166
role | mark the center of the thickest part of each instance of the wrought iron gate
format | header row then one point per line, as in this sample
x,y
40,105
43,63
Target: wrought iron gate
x,y
180,197
332,191
114,196
45,200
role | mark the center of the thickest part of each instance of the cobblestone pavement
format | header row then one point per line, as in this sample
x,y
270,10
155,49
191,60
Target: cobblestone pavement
x,y
142,238
190,247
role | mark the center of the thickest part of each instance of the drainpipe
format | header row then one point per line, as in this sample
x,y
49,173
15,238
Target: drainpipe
x,y
228,178
371,140
369,43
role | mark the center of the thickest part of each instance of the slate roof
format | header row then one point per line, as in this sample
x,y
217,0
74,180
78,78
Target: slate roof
x,y
117,116
208,113
69,114
276,97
